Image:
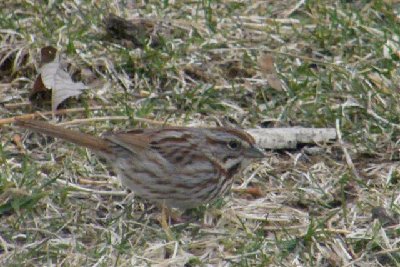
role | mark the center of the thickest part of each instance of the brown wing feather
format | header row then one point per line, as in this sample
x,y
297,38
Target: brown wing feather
x,y
133,141
142,138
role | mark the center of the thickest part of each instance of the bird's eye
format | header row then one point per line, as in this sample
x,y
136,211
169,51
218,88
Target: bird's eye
x,y
234,144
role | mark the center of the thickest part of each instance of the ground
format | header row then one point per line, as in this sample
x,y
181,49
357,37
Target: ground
x,y
252,64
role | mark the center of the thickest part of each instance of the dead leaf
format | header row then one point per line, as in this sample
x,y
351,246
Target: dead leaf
x,y
144,93
383,216
267,67
274,82
137,31
236,69
39,88
381,82
197,73
253,191
55,78
48,54
39,91
17,141
266,64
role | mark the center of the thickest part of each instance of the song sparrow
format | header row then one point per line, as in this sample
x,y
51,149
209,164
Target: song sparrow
x,y
176,167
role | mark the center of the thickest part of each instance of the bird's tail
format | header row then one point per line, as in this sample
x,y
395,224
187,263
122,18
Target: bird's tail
x,y
94,143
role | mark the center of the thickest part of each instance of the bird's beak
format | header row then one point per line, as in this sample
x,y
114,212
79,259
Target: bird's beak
x,y
255,152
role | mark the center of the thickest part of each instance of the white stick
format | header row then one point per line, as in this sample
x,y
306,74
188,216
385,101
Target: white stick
x,y
289,138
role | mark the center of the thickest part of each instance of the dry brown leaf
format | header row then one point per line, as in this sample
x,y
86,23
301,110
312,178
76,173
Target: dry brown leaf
x,y
17,141
381,82
267,67
253,191
266,64
47,55
383,216
38,87
52,76
55,78
135,32
274,82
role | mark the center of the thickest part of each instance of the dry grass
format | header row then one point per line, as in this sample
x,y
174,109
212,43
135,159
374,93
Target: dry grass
x,y
339,67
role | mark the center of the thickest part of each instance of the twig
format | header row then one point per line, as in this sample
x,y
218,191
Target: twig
x,y
5,245
387,251
92,182
345,152
296,7
372,113
318,61
286,138
337,231
16,105
379,118
109,118
247,181
57,112
78,121
92,191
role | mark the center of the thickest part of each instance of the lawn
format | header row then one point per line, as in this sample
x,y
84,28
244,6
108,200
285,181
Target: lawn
x,y
250,64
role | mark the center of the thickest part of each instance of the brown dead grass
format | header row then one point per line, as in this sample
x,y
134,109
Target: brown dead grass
x,y
335,65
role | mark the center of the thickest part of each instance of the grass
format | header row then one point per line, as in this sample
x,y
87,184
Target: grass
x,y
338,66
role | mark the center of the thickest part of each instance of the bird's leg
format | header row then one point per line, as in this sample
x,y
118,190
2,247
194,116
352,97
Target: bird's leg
x,y
164,223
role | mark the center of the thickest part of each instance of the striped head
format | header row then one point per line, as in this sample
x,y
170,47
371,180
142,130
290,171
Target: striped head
x,y
232,148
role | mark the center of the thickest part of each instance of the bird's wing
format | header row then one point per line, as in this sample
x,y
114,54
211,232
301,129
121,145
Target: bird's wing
x,y
134,141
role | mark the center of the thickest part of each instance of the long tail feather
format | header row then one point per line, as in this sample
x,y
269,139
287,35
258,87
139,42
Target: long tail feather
x,y
92,142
